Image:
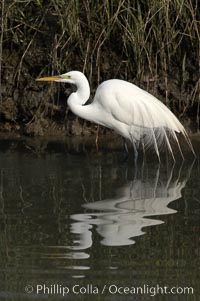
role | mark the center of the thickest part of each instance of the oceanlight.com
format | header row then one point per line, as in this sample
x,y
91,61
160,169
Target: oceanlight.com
x,y
111,289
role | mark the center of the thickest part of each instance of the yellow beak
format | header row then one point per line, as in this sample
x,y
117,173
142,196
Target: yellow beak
x,y
48,79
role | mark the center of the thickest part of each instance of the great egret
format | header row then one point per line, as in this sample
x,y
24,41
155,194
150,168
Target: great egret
x,y
130,111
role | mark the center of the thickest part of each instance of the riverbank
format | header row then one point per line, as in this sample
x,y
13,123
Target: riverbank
x,y
75,145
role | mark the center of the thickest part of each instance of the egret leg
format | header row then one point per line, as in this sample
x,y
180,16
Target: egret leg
x,y
97,139
143,147
134,141
135,153
125,152
125,146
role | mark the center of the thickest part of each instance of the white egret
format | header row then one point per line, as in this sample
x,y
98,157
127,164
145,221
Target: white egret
x,y
127,109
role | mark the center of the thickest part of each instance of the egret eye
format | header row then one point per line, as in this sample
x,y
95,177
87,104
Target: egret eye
x,y
65,76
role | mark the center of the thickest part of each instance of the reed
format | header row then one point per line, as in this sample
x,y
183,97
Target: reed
x,y
153,43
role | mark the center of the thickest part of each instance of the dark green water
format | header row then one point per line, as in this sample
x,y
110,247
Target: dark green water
x,y
85,222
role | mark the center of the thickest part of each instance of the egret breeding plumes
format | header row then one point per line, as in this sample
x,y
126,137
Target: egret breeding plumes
x,y
127,109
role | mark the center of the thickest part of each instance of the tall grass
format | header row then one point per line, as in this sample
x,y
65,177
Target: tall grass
x,y
149,42
1,43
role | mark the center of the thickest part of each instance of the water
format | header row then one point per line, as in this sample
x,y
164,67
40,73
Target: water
x,y
84,222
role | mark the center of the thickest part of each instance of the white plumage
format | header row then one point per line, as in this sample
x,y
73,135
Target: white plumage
x,y
130,111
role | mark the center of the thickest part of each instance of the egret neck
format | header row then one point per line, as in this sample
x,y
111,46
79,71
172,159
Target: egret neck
x,y
77,100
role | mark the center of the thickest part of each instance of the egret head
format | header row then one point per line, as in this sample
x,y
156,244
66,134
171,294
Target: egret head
x,y
72,77
76,78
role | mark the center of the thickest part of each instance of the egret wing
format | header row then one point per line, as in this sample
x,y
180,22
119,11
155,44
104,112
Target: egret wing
x,y
146,119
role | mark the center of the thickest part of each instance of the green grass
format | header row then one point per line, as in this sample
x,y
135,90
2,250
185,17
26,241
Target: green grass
x,y
156,44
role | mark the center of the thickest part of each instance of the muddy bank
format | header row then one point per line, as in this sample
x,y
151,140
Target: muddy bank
x,y
39,109
35,109
38,146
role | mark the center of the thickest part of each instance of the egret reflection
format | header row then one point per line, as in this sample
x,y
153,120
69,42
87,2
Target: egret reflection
x,y
124,217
